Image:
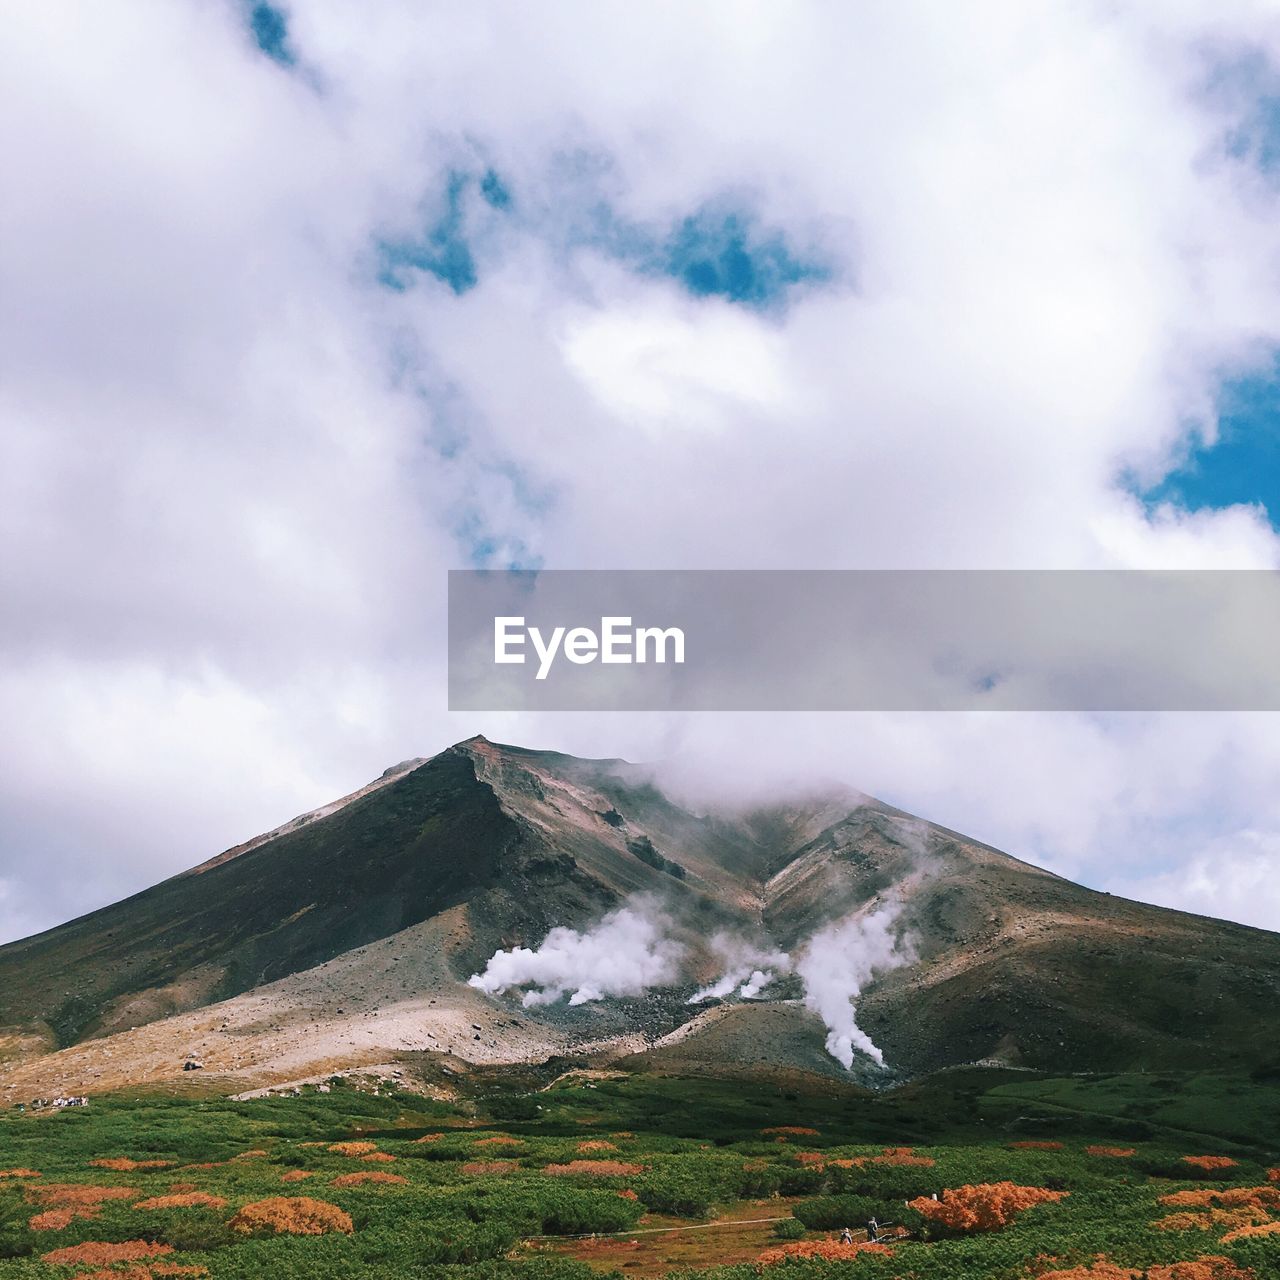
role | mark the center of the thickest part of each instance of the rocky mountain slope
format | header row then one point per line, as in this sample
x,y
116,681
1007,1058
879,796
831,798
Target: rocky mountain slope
x,y
347,936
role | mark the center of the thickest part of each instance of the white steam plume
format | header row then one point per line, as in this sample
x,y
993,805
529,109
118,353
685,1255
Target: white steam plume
x,y
625,954
835,965
744,967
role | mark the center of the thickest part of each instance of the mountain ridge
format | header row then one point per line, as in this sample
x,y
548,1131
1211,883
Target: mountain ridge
x,y
485,846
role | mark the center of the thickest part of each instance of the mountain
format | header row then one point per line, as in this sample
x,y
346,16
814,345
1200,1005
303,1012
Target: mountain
x,y
346,937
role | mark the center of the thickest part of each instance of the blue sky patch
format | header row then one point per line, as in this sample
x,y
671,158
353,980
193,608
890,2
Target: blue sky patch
x,y
495,192
1246,89
444,250
727,255
1243,466
721,250
1257,138
485,549
270,29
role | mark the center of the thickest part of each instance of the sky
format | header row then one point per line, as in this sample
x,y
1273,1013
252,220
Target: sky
x,y
303,304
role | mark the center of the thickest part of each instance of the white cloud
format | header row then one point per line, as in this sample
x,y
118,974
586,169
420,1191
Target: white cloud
x,y
837,962
1236,877
624,954
666,363
233,467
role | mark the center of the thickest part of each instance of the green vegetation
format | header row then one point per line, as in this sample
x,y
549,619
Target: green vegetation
x,y
497,1184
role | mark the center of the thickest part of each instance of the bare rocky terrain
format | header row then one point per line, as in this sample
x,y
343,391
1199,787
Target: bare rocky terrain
x,y
343,940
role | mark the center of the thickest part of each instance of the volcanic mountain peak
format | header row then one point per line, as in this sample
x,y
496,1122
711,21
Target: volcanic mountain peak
x,y
353,930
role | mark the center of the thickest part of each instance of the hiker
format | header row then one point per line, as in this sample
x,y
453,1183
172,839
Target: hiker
x,y
846,1236
873,1230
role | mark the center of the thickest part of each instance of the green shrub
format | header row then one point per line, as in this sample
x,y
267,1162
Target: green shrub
x,y
544,1266
474,1242
891,1182
550,1207
514,1108
16,1241
789,1229
800,1180
830,1213
195,1231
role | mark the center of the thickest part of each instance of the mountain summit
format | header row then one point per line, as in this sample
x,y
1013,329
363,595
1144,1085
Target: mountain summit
x,y
348,936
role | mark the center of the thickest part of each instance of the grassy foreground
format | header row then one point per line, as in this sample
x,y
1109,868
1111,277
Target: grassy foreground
x,y
1077,1179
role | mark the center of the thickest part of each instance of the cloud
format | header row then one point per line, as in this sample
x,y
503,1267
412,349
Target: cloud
x,y
746,968
628,952
837,962
234,464
634,949
665,363
1234,877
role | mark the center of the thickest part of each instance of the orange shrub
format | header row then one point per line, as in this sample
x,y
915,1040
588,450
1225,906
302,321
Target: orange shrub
x,y
67,1202
1232,1207
628,1194
595,1168
291,1215
96,1254
61,1194
1120,1153
378,1157
1102,1268
360,1179
1262,1198
122,1164
903,1156
20,1173
1253,1229
1210,1162
296,1175
597,1144
487,1142
1036,1146
183,1200
811,1159
798,1130
1273,1175
255,1154
1208,1219
353,1148
983,1207
891,1155
431,1137
176,1187
827,1250
479,1167
1209,1268
150,1272
57,1219
116,1273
